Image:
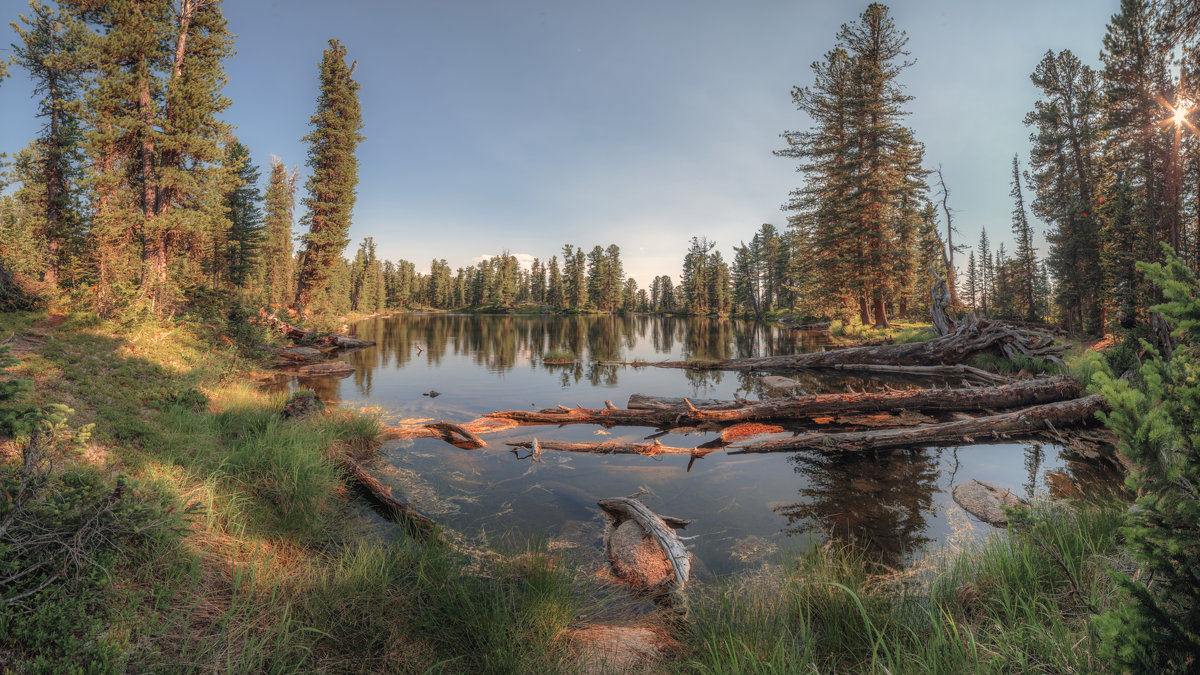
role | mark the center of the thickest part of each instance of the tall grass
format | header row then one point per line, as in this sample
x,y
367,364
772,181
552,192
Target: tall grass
x,y
1016,601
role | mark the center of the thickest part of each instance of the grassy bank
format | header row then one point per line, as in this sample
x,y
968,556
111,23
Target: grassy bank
x,y
220,536
203,531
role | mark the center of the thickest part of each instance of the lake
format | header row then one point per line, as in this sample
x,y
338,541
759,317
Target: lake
x,y
745,508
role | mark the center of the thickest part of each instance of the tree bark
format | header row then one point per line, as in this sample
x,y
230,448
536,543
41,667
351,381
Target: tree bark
x,y
628,508
418,526
1022,393
1024,422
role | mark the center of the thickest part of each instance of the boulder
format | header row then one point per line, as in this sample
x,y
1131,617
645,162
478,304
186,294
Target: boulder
x,y
301,354
984,501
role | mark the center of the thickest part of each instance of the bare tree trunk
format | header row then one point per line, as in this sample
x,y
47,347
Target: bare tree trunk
x,y
1026,421
864,316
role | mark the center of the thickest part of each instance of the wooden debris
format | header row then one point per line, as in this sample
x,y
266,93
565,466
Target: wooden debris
x,y
647,402
606,448
328,369
623,509
1023,422
1023,393
973,336
420,527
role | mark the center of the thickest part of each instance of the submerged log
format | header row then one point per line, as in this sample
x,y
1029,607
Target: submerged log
x,y
329,369
648,402
605,448
458,434
973,336
623,509
419,526
1021,393
1024,422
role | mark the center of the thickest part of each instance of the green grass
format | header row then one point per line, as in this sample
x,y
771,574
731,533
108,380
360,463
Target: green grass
x,y
235,546
559,356
1015,601
1015,364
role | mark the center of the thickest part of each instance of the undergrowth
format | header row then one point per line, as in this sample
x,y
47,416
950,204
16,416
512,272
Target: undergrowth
x,y
1016,601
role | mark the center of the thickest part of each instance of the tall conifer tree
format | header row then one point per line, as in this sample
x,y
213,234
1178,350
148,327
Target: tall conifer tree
x,y
334,181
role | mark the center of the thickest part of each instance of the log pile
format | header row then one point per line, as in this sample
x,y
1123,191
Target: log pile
x,y
973,336
1034,420
806,408
312,337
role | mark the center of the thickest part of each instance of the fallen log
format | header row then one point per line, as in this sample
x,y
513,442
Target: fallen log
x,y
1021,393
328,369
311,336
605,448
959,369
1033,420
464,434
419,526
623,509
648,402
973,336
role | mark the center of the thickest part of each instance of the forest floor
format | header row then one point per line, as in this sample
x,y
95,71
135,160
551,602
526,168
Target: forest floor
x,y
223,537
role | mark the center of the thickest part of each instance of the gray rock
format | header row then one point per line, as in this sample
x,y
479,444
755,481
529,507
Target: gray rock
x,y
984,501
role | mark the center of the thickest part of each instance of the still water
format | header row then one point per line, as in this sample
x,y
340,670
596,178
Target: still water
x,y
745,508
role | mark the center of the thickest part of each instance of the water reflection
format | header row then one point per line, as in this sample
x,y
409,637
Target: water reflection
x,y
500,343
890,503
878,501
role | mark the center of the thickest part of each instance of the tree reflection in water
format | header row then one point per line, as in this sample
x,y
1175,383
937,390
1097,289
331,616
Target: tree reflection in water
x,y
877,502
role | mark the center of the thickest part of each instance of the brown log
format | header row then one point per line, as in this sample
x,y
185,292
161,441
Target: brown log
x,y
973,336
1024,422
648,402
420,527
1021,393
329,369
423,428
959,369
628,508
298,333
457,434
605,448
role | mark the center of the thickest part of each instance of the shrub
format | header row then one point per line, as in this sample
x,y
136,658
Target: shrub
x,y
1157,420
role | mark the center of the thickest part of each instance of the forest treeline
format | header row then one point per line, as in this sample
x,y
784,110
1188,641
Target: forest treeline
x,y
136,193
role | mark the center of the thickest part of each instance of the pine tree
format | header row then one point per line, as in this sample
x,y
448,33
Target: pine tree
x,y
48,52
857,161
1065,157
985,272
1157,628
556,295
332,186
972,281
1026,260
276,271
245,235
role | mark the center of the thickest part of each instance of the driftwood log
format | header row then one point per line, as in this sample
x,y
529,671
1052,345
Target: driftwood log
x,y
1021,393
420,527
311,336
974,336
462,435
986,501
658,528
647,402
1033,420
605,448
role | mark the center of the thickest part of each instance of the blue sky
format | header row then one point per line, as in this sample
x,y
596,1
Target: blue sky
x,y
527,125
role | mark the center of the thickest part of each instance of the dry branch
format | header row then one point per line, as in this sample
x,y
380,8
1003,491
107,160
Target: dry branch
x,y
1022,393
1026,421
628,508
417,525
605,448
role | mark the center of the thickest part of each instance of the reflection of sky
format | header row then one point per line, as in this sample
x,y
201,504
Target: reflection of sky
x,y
895,502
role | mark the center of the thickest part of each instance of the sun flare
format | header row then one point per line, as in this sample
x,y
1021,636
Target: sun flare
x,y
1181,114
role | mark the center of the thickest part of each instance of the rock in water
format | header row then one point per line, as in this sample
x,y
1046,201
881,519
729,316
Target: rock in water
x,y
637,558
984,501
780,384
